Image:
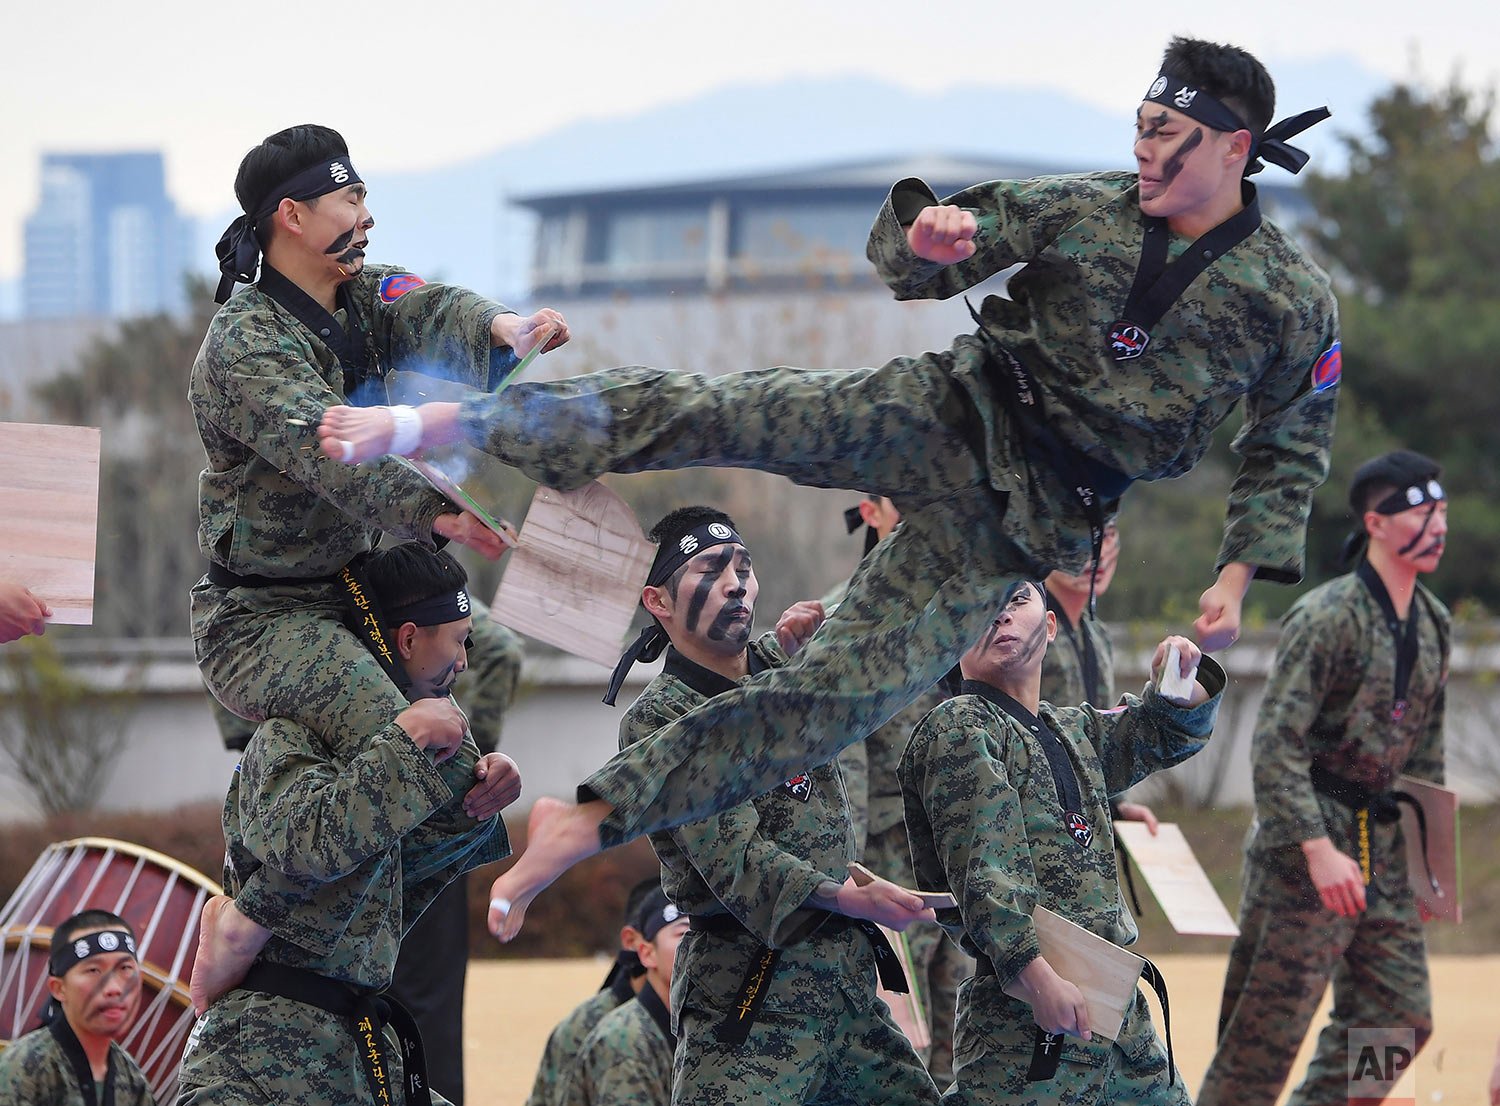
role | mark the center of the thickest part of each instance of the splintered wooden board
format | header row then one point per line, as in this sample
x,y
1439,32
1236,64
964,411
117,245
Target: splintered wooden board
x,y
1102,970
1177,880
1440,805
49,514
575,577
908,1011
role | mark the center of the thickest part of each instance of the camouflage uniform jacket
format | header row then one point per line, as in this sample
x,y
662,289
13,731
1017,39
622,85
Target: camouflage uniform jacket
x,y
41,1069
760,862
1251,328
999,842
627,1059
1080,663
1330,702
869,770
566,1040
269,502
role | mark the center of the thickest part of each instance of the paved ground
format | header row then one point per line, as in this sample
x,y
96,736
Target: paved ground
x,y
512,1005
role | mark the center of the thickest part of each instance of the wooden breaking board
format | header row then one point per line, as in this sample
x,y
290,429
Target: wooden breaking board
x,y
49,514
1440,805
1177,880
1102,970
575,577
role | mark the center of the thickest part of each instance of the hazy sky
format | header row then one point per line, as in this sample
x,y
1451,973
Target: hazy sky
x,y
421,84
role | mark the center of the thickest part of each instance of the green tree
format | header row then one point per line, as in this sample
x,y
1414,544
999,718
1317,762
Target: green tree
x,y
1409,236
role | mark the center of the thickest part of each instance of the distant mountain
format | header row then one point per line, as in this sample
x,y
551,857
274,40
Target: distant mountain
x,y
456,223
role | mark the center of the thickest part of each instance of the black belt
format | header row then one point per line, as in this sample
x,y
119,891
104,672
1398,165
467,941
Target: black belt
x,y
1383,806
751,994
1046,1053
227,579
1093,483
369,1012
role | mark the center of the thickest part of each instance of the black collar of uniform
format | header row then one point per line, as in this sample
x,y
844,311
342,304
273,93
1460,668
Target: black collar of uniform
x,y
348,346
1064,777
1158,285
705,681
648,998
78,1061
1407,645
1083,648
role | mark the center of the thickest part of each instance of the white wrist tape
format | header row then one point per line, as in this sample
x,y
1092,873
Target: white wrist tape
x,y
406,430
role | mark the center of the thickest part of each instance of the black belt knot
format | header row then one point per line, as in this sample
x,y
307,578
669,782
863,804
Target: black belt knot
x,y
1383,806
750,996
369,1011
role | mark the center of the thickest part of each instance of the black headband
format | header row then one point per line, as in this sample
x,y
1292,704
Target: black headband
x,y
1428,492
1175,93
670,556
238,249
449,606
853,520
64,956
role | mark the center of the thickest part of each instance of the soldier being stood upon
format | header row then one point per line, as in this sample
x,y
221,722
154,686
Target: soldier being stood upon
x,y
1152,303
373,839
1355,700
1007,806
74,1060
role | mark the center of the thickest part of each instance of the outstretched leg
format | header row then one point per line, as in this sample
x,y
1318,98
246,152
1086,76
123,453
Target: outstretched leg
x,y
558,835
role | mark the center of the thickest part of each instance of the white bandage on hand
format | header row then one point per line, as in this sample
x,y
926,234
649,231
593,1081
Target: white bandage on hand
x,y
406,430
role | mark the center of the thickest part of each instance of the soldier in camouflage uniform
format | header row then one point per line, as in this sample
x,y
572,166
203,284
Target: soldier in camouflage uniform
x,y
94,981
278,522
623,982
773,992
373,839
1080,666
1007,807
1006,453
626,1060
869,769
1355,699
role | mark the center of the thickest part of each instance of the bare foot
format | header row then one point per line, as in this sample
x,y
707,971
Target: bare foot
x,y
227,945
558,835
355,434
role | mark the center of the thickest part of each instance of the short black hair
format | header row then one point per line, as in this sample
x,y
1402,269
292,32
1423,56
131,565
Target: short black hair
x,y
684,520
89,919
1227,73
278,158
410,573
637,897
1380,476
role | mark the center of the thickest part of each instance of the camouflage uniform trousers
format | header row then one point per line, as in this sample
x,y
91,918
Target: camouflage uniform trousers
x,y
1288,948
938,964
857,1056
909,430
259,1049
995,1038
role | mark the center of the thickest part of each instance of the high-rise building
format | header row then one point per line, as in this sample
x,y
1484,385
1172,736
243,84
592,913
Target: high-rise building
x,y
104,239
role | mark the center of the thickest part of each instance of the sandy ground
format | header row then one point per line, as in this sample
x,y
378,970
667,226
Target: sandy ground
x,y
512,1006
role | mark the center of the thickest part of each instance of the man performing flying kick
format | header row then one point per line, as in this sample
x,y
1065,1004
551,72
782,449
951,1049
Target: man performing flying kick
x,y
1151,304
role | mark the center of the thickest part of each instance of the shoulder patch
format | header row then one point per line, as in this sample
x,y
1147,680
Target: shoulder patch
x,y
393,287
1328,368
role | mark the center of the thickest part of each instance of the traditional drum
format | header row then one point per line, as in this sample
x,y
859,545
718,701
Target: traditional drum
x,y
160,897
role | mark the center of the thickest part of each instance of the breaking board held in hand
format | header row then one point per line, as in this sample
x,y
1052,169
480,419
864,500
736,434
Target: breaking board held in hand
x,y
49,515
1440,806
1102,970
575,577
1177,880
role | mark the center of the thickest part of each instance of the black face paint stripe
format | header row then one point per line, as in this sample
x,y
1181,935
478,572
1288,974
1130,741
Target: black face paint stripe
x,y
1426,519
706,586
1156,125
1173,165
341,243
